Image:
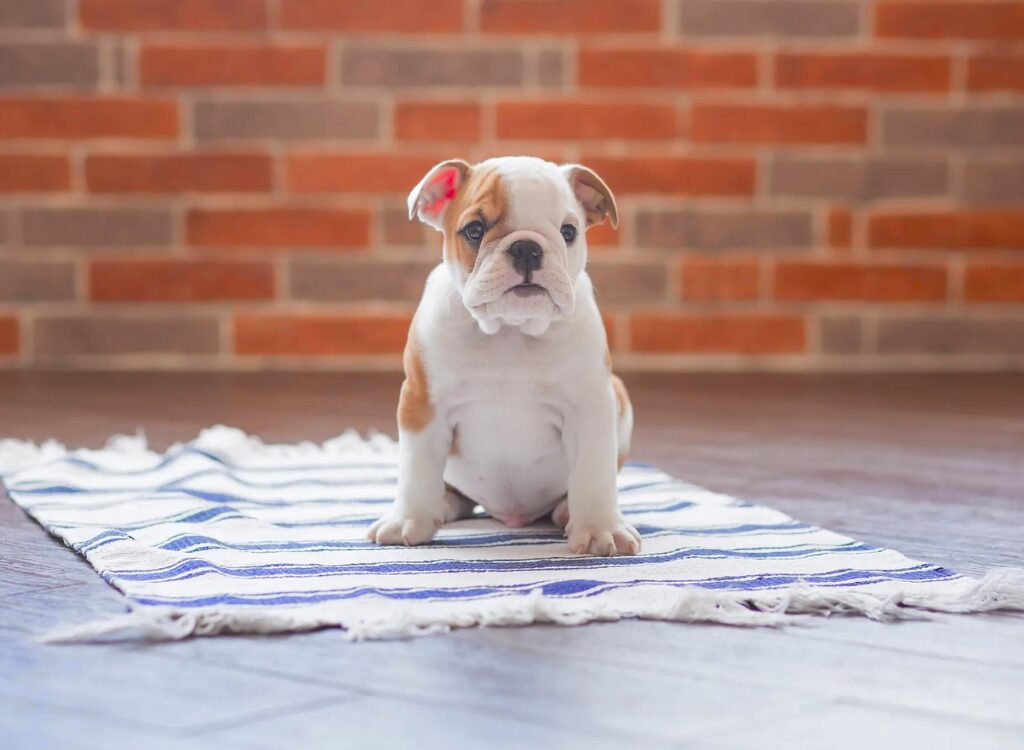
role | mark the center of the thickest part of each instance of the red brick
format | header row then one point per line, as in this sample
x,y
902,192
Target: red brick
x,y
862,70
682,175
540,120
602,235
665,68
808,281
570,16
713,280
172,15
279,227
406,16
356,173
178,281
996,72
179,173
34,174
994,282
437,121
234,65
840,228
951,20
10,340
959,230
88,118
668,332
781,124
310,335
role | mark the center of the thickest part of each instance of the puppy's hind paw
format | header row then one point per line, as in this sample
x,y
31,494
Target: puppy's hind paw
x,y
604,540
401,530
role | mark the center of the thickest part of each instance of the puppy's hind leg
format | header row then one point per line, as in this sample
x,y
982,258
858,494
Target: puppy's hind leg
x,y
456,505
560,515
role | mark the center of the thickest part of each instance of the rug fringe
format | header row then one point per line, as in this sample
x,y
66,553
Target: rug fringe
x,y
1001,589
19,455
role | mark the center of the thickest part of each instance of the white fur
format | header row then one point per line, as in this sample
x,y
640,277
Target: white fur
x,y
521,384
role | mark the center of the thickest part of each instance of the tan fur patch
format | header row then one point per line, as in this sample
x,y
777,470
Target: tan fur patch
x,y
414,408
481,195
622,400
621,395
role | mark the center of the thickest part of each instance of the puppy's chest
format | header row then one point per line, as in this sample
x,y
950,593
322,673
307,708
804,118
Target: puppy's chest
x,y
514,396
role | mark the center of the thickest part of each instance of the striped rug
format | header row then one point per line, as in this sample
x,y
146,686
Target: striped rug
x,y
227,534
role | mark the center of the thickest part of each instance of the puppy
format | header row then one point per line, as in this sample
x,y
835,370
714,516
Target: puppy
x,y
509,400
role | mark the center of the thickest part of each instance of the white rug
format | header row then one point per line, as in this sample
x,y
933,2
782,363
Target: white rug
x,y
226,534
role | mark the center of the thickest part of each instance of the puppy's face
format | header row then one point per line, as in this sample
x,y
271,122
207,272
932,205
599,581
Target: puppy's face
x,y
514,235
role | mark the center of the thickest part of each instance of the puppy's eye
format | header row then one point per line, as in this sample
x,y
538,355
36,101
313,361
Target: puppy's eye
x,y
568,233
473,231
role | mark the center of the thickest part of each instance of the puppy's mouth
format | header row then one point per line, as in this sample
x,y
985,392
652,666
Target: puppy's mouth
x,y
527,290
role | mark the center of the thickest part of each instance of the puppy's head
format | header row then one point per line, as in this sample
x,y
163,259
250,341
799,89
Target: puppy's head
x,y
514,234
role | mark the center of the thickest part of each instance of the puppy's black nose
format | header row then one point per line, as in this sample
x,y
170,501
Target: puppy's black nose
x,y
526,256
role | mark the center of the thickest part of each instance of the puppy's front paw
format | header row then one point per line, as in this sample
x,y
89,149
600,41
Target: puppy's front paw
x,y
603,539
407,530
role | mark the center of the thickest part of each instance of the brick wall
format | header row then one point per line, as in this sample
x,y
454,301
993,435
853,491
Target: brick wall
x,y
803,183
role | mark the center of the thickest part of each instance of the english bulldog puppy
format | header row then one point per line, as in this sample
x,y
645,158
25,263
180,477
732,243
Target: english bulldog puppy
x,y
509,400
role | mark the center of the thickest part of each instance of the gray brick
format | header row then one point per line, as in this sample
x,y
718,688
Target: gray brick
x,y
978,126
934,335
96,227
408,66
41,63
122,334
785,18
4,227
551,68
841,335
857,179
718,230
286,119
627,282
35,282
358,280
995,181
32,14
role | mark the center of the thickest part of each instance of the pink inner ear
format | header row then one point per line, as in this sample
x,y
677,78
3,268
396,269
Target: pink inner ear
x,y
442,190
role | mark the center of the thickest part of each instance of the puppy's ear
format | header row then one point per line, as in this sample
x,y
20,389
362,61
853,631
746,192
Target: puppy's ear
x,y
430,199
592,193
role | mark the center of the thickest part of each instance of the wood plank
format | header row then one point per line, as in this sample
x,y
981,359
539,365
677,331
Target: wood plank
x,y
131,686
390,724
846,726
784,660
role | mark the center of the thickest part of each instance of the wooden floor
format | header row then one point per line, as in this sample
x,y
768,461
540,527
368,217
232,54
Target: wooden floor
x,y
932,465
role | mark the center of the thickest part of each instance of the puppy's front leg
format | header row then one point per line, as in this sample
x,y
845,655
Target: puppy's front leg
x,y
418,511
595,524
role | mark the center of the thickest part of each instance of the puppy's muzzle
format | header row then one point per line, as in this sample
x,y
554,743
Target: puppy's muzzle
x,y
526,257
